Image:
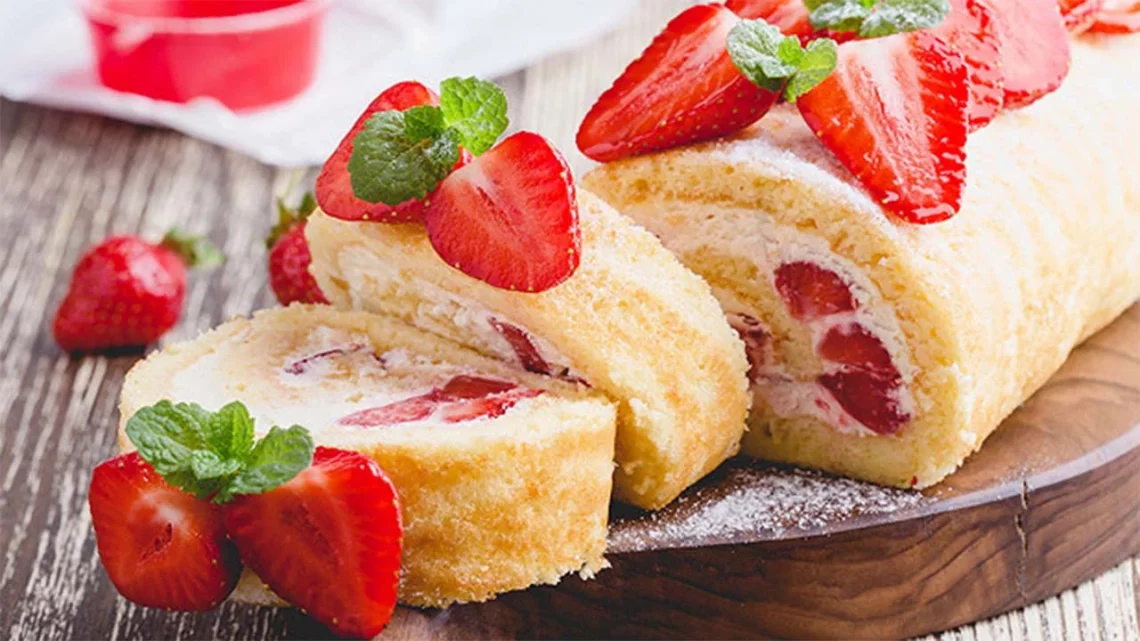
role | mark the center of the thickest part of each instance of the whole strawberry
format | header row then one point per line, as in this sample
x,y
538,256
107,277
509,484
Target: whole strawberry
x,y
289,256
127,292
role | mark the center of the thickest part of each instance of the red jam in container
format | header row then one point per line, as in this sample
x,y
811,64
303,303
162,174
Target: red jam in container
x,y
243,53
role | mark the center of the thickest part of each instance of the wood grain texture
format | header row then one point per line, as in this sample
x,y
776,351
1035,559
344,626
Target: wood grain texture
x,y
67,180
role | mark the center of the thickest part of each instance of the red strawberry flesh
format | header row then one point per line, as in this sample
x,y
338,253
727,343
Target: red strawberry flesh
x,y
416,408
1079,15
894,113
334,184
854,346
682,89
789,16
471,387
461,398
1035,55
161,547
510,217
971,29
524,348
811,291
869,398
327,541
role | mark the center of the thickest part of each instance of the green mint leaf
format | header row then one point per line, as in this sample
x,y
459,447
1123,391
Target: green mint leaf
x,y
423,122
477,109
841,15
777,62
818,62
229,432
871,19
898,16
207,465
763,54
209,472
166,435
389,166
278,457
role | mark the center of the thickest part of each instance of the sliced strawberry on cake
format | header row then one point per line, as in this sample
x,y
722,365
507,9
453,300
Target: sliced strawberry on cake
x,y
894,113
683,88
528,460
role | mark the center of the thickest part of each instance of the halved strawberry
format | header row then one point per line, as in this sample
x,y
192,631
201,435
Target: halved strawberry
x,y
870,398
894,113
510,217
789,16
327,541
1117,16
811,291
162,547
970,28
683,88
1079,15
334,185
1035,54
854,346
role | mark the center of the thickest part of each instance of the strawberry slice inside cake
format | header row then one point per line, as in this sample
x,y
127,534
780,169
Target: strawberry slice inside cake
x,y
484,456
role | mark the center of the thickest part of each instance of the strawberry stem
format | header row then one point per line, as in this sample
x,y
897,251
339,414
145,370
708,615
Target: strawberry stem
x,y
195,251
287,218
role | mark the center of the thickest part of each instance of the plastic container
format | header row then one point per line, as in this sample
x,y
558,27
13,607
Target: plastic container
x,y
243,53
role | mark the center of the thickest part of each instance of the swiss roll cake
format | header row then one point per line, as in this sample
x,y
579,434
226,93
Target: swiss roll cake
x,y
889,351
631,323
504,477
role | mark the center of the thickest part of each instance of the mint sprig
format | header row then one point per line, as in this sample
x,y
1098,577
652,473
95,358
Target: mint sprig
x,y
877,18
476,109
213,454
401,155
779,63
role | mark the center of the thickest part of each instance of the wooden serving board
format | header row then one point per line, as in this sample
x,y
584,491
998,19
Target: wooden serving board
x,y
1052,499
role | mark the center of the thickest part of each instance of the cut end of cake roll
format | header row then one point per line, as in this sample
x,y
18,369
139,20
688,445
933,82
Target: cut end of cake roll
x,y
504,476
888,351
631,322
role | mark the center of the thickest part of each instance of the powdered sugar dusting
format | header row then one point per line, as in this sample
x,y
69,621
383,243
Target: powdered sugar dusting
x,y
752,501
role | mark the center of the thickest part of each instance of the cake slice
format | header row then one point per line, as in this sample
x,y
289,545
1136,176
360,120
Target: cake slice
x,y
630,322
889,351
504,477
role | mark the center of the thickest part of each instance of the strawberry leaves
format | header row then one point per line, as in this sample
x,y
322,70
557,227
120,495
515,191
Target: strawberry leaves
x,y
402,155
195,251
871,19
779,63
213,453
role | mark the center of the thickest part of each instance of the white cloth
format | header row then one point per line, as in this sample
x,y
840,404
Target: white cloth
x,y
367,45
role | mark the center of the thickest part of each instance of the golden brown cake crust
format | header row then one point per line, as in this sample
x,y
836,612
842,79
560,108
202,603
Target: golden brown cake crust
x,y
635,323
1045,251
487,508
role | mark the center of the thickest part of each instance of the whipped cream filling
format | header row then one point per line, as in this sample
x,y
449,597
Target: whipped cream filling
x,y
334,374
768,245
461,319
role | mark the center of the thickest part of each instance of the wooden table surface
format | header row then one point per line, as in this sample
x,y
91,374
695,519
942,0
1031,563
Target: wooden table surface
x,y
68,180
